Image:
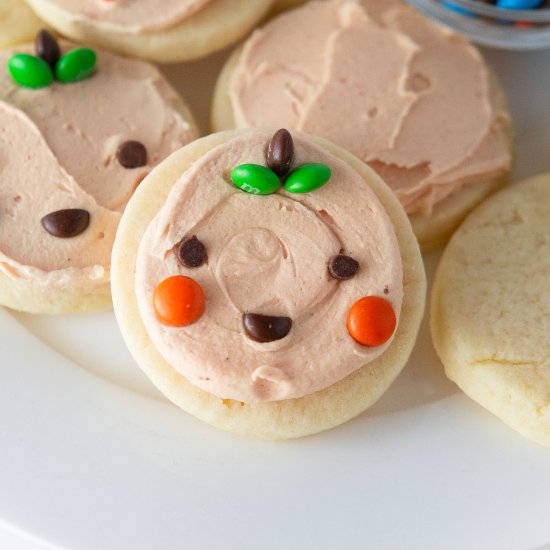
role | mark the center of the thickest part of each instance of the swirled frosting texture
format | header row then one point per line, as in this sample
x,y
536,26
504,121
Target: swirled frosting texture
x,y
411,98
268,255
58,151
132,16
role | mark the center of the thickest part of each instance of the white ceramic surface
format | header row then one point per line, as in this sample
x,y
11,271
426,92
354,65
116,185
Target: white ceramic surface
x,y
93,458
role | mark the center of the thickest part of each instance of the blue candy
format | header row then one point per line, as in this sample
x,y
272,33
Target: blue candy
x,y
519,4
456,8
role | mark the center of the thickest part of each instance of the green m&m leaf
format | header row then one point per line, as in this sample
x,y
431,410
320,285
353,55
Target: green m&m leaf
x,y
75,65
30,71
255,179
307,178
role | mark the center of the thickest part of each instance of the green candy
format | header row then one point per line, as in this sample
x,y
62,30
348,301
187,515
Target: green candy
x,y
75,65
30,71
255,179
307,178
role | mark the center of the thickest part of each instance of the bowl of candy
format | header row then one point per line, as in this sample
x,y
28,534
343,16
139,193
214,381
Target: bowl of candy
x,y
509,24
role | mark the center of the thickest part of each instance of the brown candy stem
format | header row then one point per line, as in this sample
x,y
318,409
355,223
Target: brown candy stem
x,y
47,47
192,252
280,153
342,267
132,154
266,328
66,223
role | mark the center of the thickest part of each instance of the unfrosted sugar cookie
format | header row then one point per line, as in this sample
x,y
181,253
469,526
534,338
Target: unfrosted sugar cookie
x,y
166,32
266,308
79,130
18,23
410,98
490,311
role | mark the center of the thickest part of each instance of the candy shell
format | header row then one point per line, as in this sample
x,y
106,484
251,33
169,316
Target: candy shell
x,y
371,321
280,152
457,8
518,4
30,71
255,179
47,48
266,328
66,223
178,301
76,65
307,178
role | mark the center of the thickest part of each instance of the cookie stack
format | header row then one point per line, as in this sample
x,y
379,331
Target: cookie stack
x,y
268,277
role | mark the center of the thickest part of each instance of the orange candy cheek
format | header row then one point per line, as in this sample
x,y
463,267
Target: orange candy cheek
x,y
371,321
178,301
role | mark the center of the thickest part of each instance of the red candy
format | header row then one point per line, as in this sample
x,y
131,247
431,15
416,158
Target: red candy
x,y
371,321
178,301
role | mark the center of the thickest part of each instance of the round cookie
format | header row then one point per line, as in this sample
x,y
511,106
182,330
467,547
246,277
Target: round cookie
x,y
490,309
71,155
266,262
181,31
18,23
402,77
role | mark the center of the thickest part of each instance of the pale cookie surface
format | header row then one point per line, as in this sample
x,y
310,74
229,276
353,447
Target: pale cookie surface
x,y
283,418
490,310
181,31
18,23
402,76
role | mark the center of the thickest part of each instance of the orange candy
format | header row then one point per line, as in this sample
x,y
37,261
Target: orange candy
x,y
178,301
371,321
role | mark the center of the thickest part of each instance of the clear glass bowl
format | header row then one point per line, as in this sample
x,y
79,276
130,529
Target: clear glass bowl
x,y
486,24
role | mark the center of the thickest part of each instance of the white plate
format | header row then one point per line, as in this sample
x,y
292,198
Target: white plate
x,y
92,457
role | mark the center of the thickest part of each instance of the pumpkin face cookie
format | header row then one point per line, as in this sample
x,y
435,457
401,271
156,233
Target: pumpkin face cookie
x,y
490,311
179,31
267,276
421,106
80,130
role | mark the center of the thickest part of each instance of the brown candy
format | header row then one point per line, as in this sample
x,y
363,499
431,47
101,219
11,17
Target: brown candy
x,y
266,328
342,267
47,47
280,153
132,154
66,223
191,252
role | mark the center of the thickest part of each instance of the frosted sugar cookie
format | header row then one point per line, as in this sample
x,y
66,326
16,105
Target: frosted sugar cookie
x,y
412,99
177,30
490,311
266,308
79,130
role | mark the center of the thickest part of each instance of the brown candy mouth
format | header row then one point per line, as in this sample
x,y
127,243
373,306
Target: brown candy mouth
x,y
266,328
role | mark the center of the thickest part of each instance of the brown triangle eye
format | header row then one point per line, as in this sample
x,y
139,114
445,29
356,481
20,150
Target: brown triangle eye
x,y
132,154
342,267
192,252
